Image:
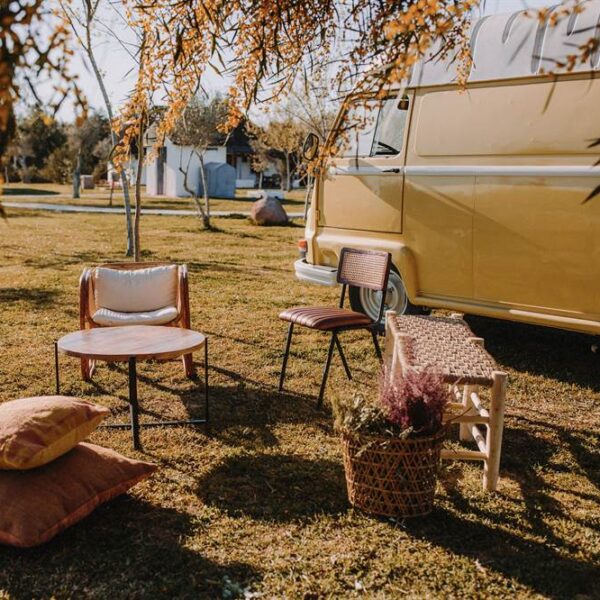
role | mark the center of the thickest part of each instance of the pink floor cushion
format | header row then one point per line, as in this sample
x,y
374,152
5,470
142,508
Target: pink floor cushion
x,y
39,503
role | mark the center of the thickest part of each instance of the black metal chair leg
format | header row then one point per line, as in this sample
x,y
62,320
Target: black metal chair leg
x,y
343,357
285,355
326,371
376,344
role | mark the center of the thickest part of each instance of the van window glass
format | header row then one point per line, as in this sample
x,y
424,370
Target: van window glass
x,y
389,130
380,129
359,137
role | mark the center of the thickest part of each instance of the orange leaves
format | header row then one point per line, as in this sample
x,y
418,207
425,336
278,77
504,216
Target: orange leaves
x,y
262,45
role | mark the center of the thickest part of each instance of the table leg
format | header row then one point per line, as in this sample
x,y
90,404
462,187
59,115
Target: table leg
x,y
133,403
56,374
206,379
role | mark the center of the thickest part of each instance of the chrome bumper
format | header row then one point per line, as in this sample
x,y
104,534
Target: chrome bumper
x,y
315,273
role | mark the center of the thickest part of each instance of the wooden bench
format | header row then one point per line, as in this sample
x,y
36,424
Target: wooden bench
x,y
448,344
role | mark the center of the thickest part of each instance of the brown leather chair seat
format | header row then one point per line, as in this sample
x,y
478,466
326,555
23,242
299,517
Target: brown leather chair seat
x,y
325,318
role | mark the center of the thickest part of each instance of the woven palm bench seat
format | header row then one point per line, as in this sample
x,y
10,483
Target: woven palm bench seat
x,y
448,345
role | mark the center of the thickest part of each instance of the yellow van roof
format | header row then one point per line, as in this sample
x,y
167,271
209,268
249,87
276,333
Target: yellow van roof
x,y
517,45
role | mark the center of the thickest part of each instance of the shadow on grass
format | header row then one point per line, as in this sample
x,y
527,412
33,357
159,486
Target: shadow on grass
x,y
523,544
540,566
275,487
244,402
127,548
63,262
35,297
5,191
556,354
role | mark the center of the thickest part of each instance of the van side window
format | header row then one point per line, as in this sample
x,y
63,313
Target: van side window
x,y
381,128
389,130
359,135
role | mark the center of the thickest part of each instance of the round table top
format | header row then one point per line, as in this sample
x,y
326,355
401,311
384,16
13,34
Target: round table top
x,y
139,341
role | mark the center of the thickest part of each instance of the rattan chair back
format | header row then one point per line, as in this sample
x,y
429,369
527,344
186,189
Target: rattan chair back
x,y
364,268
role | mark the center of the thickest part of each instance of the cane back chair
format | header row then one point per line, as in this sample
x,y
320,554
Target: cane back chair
x,y
359,268
142,293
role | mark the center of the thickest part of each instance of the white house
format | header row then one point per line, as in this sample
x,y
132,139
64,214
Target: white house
x,y
130,168
164,176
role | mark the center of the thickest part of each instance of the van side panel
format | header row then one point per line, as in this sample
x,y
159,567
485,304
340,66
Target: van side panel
x,y
532,241
507,121
536,244
367,198
438,213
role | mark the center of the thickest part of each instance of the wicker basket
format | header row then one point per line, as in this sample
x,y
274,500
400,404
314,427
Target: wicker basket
x,y
390,476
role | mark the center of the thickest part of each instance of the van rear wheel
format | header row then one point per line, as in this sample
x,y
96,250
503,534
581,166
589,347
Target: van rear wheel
x,y
368,301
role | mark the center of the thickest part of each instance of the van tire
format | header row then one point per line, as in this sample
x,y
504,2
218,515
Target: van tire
x,y
368,301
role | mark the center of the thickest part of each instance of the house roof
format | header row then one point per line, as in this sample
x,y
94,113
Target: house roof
x,y
237,141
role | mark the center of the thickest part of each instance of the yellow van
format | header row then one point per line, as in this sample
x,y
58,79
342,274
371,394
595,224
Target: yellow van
x,y
479,195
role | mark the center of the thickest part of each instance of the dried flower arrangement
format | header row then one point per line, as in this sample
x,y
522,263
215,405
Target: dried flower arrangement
x,y
412,405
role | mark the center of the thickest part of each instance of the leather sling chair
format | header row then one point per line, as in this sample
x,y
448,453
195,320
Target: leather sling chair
x,y
359,268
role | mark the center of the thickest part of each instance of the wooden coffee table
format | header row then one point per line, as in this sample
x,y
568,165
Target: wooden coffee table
x,y
130,344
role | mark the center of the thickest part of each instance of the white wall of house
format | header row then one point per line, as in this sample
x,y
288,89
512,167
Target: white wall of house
x,y
176,157
244,177
130,171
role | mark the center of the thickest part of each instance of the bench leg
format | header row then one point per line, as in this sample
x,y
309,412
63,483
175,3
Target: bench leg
x,y
491,467
465,429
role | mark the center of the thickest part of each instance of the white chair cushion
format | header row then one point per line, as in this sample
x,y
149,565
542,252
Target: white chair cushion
x,y
139,290
113,318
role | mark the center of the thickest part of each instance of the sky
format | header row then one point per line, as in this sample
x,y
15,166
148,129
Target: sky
x,y
119,68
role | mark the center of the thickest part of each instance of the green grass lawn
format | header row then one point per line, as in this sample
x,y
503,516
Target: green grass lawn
x,y
258,502
55,193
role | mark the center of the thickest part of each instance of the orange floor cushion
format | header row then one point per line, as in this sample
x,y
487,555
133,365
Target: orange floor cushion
x,y
35,431
39,503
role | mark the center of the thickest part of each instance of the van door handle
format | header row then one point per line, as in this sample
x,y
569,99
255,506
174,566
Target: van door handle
x,y
394,170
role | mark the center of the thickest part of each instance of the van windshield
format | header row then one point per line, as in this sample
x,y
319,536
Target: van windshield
x,y
380,129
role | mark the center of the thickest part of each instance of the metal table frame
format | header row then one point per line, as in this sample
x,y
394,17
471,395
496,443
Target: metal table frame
x,y
134,423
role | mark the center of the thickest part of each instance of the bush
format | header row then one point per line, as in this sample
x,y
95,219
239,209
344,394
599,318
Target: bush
x,y
59,166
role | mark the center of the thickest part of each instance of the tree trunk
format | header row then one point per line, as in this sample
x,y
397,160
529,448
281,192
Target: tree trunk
x,y
206,212
186,187
77,177
137,253
260,180
112,190
288,179
113,136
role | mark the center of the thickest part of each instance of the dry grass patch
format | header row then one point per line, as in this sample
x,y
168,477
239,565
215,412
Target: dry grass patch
x,y
258,503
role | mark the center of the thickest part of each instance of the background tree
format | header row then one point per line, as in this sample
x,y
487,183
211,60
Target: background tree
x,y
39,135
83,16
261,159
283,138
198,128
82,141
33,45
77,152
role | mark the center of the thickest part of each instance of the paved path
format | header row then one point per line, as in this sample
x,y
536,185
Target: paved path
x,y
71,208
